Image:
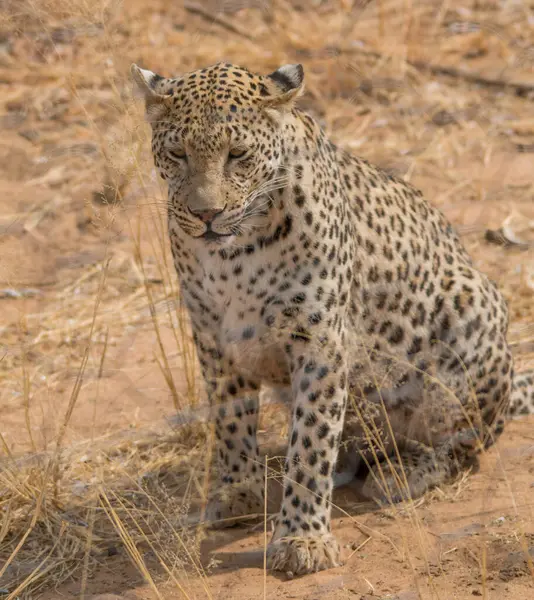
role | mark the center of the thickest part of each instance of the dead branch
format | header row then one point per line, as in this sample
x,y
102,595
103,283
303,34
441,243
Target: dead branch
x,y
198,9
520,88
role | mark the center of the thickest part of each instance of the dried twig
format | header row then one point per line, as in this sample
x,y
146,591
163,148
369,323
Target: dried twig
x,y
520,88
198,9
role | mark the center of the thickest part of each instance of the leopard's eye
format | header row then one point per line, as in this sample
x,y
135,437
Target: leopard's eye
x,y
237,153
177,154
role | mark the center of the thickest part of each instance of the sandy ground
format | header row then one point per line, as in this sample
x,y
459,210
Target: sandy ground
x,y
468,541
93,350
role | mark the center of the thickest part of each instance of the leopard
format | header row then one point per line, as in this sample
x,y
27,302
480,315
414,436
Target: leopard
x,y
306,269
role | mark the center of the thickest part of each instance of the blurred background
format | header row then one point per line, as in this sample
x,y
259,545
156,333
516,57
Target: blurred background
x,y
99,477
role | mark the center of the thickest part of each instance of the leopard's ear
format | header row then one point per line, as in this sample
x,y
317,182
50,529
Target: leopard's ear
x,y
285,85
152,88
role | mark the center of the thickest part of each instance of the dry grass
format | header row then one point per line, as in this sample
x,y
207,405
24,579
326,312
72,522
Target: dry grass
x,y
435,92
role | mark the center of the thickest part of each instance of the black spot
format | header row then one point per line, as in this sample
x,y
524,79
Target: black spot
x,y
312,396
311,420
397,335
323,430
322,372
310,367
248,333
315,318
416,346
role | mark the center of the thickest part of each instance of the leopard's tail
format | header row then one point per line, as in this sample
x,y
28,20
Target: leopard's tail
x,y
522,398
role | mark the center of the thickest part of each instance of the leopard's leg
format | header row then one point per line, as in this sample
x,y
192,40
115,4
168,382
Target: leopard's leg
x,y
302,541
456,426
416,468
234,400
240,489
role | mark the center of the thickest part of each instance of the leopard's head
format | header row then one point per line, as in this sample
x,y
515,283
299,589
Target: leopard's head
x,y
220,140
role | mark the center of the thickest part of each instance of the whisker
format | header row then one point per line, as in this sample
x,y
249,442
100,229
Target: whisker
x,y
268,186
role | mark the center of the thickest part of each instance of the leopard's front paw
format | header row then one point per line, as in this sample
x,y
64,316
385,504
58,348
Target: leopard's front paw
x,y
235,503
301,555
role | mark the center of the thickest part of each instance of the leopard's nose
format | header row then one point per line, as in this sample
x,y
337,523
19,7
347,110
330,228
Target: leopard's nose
x,y
206,215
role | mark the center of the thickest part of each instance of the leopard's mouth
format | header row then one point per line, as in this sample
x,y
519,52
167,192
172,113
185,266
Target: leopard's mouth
x,y
213,236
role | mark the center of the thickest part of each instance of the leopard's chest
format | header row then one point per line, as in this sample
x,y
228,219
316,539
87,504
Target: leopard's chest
x,y
238,296
246,340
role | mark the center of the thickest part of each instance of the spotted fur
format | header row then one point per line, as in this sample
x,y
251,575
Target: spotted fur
x,y
307,268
